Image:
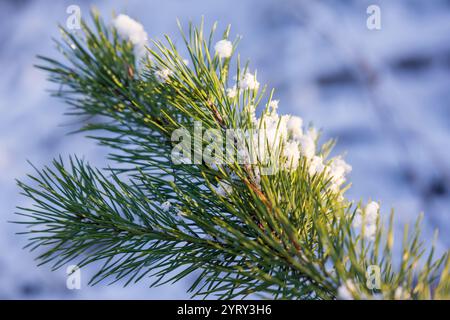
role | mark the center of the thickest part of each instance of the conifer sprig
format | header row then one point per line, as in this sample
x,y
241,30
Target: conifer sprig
x,y
288,235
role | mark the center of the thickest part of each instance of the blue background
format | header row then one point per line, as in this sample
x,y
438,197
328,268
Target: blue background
x,y
317,54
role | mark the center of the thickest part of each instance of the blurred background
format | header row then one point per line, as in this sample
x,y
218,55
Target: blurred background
x,y
384,94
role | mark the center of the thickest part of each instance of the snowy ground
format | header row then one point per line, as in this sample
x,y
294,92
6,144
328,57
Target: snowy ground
x,y
318,54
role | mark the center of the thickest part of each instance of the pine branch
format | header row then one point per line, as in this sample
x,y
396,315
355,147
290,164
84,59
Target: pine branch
x,y
290,234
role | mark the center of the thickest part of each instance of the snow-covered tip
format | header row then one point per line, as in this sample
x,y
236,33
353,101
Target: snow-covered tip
x,y
316,166
292,154
401,294
294,126
371,212
308,146
223,48
132,31
248,81
232,92
273,106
